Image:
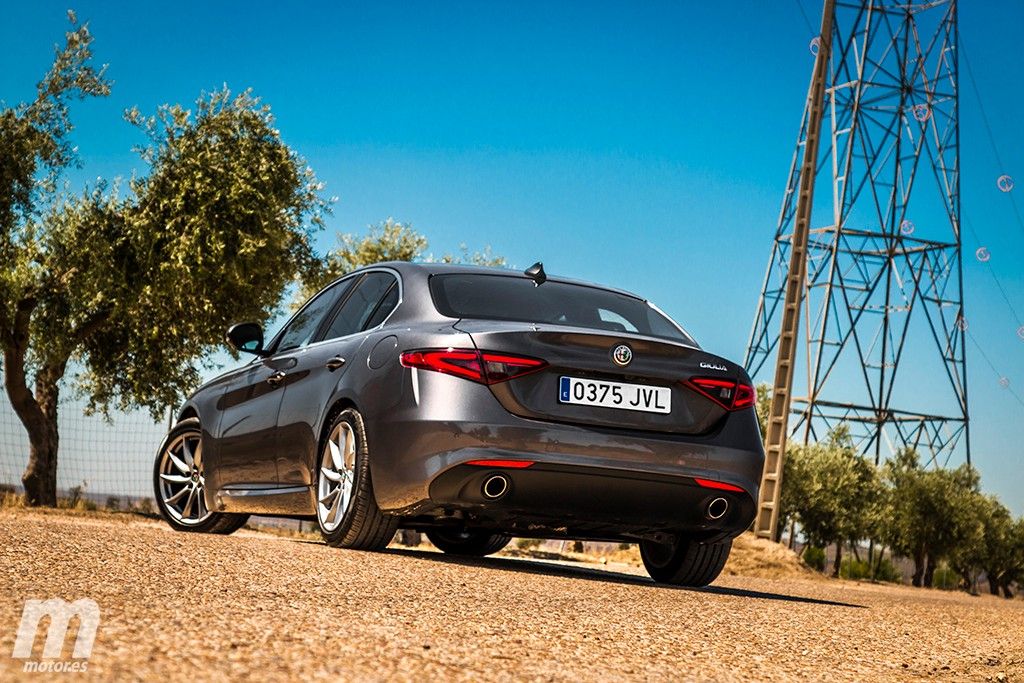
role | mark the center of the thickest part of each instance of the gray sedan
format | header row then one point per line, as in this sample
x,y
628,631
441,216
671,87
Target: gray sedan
x,y
474,404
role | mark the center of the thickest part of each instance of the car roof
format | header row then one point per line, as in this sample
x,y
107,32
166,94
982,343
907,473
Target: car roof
x,y
428,269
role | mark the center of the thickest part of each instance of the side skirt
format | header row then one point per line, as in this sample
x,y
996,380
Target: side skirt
x,y
257,499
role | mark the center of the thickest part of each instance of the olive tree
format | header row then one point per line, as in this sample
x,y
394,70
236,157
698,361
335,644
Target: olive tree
x,y
830,489
131,285
994,546
931,512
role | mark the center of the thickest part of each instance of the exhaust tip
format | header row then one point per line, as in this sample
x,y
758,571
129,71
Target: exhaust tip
x,y
495,486
717,508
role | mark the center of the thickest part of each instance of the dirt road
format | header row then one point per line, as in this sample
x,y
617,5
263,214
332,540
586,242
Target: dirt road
x,y
252,605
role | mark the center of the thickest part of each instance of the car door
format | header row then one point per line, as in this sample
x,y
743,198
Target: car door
x,y
247,443
320,368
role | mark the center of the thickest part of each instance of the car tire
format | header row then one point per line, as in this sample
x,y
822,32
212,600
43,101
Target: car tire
x,y
467,542
685,562
363,525
172,496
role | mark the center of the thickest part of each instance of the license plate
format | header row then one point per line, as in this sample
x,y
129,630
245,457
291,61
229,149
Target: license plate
x,y
595,392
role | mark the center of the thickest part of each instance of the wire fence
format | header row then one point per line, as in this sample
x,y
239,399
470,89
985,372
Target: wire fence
x,y
98,458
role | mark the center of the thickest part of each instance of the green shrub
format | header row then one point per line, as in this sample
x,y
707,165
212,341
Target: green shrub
x,y
945,579
856,570
113,503
886,571
814,558
860,570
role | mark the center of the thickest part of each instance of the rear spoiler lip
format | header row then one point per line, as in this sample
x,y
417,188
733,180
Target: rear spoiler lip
x,y
548,327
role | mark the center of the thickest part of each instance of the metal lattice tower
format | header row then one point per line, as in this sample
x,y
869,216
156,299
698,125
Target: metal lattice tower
x,y
874,266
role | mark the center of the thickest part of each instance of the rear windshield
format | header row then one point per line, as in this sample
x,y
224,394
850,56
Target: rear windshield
x,y
505,297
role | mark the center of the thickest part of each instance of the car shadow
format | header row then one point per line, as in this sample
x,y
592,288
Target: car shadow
x,y
520,565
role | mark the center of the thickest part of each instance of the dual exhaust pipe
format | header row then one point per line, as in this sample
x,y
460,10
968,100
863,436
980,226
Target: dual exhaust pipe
x,y
497,485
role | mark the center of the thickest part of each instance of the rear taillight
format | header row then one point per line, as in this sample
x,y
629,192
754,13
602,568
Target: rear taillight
x,y
479,366
727,393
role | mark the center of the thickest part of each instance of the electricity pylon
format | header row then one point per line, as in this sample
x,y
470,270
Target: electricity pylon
x,y
874,266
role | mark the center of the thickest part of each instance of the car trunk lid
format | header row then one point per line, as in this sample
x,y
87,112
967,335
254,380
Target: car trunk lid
x,y
660,367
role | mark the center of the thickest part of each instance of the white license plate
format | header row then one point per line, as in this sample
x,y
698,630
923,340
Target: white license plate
x,y
595,392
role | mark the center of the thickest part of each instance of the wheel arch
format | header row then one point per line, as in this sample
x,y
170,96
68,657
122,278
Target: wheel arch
x,y
186,412
339,404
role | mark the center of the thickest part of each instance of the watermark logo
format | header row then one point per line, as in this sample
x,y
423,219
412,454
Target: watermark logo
x,y
60,613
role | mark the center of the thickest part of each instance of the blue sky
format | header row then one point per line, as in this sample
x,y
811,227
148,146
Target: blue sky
x,y
643,145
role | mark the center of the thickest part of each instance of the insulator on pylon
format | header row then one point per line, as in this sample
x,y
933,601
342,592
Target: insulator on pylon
x,y
961,323
815,45
1004,183
1004,382
922,112
907,227
983,254
1020,332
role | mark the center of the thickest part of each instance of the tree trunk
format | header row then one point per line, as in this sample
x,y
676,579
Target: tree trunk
x,y
409,538
993,585
856,553
878,563
917,578
1007,591
38,414
929,572
40,476
969,581
792,532
839,561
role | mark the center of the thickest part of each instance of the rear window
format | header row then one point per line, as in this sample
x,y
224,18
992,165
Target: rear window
x,y
504,297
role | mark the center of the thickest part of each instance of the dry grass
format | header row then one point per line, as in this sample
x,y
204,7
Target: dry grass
x,y
12,500
759,557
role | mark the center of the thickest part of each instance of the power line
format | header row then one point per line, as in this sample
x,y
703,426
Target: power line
x,y
807,20
988,130
995,278
988,360
1003,381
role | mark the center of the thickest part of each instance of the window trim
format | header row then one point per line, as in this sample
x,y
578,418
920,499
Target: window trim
x,y
276,341
373,313
322,329
325,326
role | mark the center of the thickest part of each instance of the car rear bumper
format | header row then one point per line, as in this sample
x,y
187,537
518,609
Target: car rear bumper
x,y
554,500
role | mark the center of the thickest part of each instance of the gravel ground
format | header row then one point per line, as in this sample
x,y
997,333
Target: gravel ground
x,y
178,606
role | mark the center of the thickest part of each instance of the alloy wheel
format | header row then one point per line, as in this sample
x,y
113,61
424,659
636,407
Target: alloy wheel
x,y
182,481
337,476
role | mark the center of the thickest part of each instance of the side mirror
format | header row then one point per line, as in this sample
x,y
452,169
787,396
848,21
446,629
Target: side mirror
x,y
247,337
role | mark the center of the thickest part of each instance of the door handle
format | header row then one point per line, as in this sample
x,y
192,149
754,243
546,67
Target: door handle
x,y
276,378
335,363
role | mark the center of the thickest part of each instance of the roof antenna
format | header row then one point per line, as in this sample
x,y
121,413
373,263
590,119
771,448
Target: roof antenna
x,y
537,274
